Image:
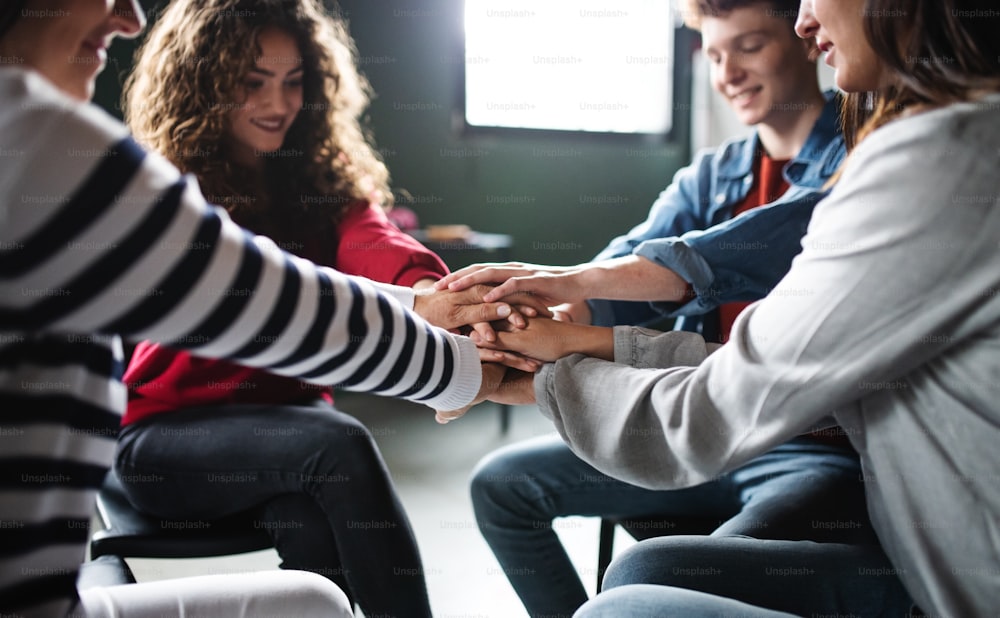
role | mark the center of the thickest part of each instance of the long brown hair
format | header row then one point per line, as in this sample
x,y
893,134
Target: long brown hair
x,y
186,80
935,52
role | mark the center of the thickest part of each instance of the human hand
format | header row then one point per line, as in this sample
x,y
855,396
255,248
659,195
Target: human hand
x,y
576,313
549,340
455,309
492,272
510,387
517,388
551,284
509,359
492,377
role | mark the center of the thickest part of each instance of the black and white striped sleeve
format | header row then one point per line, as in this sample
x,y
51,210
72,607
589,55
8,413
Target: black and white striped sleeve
x,y
102,237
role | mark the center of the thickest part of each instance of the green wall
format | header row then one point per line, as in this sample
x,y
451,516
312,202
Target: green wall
x,y
561,196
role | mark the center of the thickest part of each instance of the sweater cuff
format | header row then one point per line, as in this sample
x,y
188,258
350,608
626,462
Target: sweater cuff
x,y
403,294
542,379
467,376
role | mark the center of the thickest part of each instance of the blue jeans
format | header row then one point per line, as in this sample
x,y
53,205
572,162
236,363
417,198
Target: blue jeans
x,y
312,475
801,490
736,576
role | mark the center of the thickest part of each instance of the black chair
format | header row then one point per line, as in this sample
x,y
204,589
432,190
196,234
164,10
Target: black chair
x,y
128,533
647,528
104,571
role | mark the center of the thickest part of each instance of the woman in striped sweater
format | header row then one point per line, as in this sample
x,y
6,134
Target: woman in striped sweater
x,y
277,140
98,240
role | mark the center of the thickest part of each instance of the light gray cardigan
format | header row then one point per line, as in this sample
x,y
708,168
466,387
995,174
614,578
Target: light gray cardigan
x,y
889,319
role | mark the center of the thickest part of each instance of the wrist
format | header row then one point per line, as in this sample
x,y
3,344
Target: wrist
x,y
595,341
421,300
589,281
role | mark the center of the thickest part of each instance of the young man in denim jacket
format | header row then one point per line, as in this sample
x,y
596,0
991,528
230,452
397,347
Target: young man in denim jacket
x,y
724,231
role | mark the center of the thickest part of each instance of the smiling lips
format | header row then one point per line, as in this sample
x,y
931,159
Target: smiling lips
x,y
98,47
826,47
745,95
272,124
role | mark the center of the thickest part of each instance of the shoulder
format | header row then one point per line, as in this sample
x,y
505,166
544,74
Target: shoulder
x,y
705,163
942,139
32,102
925,172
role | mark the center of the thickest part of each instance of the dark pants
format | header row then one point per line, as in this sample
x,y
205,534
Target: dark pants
x,y
694,577
312,475
800,490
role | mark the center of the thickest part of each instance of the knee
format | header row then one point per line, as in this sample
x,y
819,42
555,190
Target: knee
x,y
342,444
499,482
630,567
671,560
315,595
615,604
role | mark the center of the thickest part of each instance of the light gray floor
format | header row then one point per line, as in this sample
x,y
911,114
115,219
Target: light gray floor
x,y
430,464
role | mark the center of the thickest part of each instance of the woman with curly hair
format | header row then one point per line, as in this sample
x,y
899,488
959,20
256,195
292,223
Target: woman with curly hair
x,y
261,100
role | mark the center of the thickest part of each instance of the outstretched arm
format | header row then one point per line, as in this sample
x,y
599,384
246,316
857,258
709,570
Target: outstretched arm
x,y
136,251
624,278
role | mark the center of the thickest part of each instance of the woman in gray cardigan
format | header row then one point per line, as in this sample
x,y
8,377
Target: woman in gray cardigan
x,y
889,321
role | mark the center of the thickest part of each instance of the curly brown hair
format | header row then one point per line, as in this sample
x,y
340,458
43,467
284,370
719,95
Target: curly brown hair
x,y
187,78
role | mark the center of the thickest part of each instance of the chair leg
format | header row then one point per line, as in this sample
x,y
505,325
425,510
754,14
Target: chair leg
x,y
605,548
504,418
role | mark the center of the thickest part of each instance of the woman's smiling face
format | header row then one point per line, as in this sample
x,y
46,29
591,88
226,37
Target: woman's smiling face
x,y
839,30
67,40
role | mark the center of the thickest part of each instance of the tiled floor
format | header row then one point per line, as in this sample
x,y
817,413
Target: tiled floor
x,y
430,464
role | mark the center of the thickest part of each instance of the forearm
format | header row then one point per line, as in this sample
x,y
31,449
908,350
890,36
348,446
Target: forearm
x,y
669,428
163,266
631,278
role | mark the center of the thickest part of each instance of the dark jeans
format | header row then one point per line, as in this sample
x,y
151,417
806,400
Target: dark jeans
x,y
312,475
693,577
800,490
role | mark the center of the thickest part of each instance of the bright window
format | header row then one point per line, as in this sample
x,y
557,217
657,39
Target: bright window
x,y
572,65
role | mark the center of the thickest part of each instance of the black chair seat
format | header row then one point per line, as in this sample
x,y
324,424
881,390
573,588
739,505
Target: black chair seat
x,y
129,533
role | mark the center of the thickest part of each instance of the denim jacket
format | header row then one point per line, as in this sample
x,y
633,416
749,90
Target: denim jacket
x,y
691,230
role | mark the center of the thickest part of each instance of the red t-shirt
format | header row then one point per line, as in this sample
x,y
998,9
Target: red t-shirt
x,y
161,379
768,185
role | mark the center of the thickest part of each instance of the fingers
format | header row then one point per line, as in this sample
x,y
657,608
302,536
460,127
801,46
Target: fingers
x,y
445,417
523,302
519,362
477,273
526,310
488,355
484,332
487,312
443,282
507,288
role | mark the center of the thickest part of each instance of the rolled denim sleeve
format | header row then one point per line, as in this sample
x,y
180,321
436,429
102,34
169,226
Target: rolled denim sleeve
x,y
678,208
740,259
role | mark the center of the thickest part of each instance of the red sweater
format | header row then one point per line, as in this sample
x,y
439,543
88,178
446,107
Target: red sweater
x,y
161,379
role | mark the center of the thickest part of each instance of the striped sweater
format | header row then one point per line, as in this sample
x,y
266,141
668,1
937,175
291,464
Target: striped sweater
x,y
98,240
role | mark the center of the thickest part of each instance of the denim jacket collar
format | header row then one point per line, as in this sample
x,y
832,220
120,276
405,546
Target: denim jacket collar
x,y
808,167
